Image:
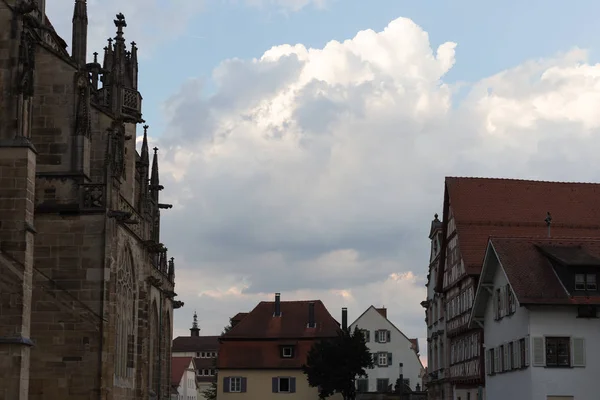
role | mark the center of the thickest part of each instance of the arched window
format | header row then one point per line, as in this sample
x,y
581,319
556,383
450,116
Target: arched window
x,y
125,312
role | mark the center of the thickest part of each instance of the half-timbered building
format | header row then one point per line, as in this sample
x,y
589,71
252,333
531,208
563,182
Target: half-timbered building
x,y
474,210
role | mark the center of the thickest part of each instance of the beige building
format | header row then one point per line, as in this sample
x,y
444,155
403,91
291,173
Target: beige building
x,y
262,355
87,299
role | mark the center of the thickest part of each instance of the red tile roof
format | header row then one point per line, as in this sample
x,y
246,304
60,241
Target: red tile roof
x,y
292,324
183,344
255,341
484,207
178,367
530,272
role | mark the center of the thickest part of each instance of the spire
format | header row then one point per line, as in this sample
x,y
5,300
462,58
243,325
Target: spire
x,y
80,26
154,182
195,331
108,56
133,66
171,272
145,157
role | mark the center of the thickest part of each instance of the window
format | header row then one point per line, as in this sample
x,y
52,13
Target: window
x,y
383,336
235,384
590,282
362,385
586,282
284,384
558,352
367,334
382,385
382,360
287,352
198,354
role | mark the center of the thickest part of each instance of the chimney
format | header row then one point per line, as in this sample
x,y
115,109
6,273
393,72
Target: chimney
x,y
344,318
277,312
382,311
311,314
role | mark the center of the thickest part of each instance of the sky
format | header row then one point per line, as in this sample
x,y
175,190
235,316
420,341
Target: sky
x,y
304,143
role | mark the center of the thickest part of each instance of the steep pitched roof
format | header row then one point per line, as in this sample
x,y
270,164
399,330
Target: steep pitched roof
x,y
484,207
529,270
195,343
260,323
254,343
178,367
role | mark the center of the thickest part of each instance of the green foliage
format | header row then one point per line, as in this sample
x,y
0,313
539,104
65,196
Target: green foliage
x,y
211,392
332,365
227,328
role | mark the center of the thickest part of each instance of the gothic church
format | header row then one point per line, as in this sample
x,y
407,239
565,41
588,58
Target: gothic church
x,y
86,288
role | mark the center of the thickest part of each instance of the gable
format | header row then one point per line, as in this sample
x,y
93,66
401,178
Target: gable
x,y
373,320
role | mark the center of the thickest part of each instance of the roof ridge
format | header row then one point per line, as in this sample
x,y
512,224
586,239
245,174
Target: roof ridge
x,y
554,238
481,178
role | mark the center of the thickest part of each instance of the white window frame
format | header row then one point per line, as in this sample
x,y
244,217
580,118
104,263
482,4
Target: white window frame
x,y
382,336
590,282
289,380
384,357
287,352
580,280
235,384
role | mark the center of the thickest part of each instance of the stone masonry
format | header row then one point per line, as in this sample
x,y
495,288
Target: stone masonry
x,y
86,288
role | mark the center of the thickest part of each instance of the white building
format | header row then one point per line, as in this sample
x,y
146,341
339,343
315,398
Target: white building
x,y
389,347
536,301
183,378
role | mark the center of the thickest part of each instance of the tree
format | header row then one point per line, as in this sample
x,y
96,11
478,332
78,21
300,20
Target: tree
x,y
211,392
333,364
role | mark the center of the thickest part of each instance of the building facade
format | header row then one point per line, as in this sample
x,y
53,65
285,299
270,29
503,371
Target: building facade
x,y
183,379
390,349
204,350
474,210
261,357
537,303
438,386
89,304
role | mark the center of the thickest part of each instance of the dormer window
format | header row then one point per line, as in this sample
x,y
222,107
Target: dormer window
x,y
586,282
287,351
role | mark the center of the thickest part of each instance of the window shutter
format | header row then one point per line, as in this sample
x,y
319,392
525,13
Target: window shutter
x,y
376,336
388,336
367,335
496,311
244,383
292,385
578,352
502,301
375,359
506,300
526,342
516,355
488,369
496,359
389,358
539,356
226,385
275,385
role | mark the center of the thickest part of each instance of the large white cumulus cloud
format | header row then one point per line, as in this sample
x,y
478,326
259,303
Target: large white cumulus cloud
x,y
316,171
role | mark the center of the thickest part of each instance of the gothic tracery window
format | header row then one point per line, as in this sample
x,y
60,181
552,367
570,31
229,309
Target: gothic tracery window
x,y
125,311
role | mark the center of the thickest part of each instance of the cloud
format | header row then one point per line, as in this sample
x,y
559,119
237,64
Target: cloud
x,y
316,172
149,22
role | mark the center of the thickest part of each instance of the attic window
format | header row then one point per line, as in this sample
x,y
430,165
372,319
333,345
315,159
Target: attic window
x,y
287,352
586,282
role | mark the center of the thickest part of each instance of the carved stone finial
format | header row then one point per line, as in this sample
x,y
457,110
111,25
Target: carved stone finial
x,y
155,150
436,216
96,57
146,128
